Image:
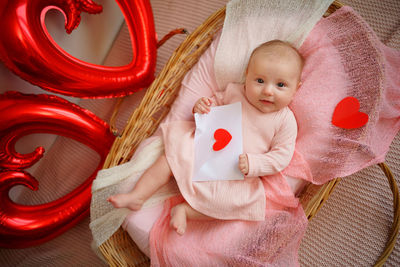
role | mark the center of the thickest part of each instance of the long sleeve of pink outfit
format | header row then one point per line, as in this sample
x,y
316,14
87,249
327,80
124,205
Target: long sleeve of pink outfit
x,y
280,153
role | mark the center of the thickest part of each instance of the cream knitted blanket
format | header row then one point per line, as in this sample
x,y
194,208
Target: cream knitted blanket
x,y
248,23
105,219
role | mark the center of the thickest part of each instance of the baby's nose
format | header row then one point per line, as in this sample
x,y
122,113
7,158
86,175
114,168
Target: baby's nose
x,y
267,90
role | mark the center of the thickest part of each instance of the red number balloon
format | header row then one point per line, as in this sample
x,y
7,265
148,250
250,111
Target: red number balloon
x,y
23,226
28,50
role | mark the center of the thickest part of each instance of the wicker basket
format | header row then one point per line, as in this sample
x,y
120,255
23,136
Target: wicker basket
x,y
119,249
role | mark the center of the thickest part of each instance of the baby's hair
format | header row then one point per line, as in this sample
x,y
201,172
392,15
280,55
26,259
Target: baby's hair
x,y
278,43
269,44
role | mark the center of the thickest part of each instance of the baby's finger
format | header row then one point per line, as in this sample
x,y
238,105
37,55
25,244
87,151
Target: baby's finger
x,y
204,108
206,101
242,165
200,109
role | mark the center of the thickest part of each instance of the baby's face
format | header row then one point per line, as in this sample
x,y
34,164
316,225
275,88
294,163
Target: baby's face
x,y
272,80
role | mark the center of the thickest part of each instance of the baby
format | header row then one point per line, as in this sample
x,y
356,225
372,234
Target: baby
x,y
272,79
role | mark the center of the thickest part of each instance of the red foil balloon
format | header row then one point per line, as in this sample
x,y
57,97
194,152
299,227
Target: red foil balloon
x,y
29,51
23,226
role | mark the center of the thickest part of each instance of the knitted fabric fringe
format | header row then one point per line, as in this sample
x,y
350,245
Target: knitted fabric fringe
x,y
250,23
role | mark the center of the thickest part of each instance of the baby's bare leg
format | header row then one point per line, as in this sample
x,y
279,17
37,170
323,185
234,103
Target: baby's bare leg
x,y
152,179
179,215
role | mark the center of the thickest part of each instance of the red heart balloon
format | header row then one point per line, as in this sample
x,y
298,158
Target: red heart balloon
x,y
28,50
222,139
347,114
20,225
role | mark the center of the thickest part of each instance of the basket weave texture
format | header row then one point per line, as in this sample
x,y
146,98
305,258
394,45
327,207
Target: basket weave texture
x,y
119,249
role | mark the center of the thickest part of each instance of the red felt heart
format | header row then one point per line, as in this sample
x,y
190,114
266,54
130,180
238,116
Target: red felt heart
x,y
347,114
222,139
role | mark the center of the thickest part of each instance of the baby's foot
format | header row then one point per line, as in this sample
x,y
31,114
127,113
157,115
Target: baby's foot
x,y
126,201
178,219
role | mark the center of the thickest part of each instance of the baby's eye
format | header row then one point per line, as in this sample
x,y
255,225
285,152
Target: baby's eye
x,y
259,80
280,84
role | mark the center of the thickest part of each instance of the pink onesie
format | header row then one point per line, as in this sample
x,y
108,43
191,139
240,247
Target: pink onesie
x,y
269,142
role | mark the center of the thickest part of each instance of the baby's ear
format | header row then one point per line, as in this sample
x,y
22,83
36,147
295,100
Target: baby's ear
x,y
243,78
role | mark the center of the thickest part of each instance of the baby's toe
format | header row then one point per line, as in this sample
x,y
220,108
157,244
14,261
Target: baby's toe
x,y
180,230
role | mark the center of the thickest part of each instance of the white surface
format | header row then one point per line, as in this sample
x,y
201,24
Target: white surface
x,y
210,165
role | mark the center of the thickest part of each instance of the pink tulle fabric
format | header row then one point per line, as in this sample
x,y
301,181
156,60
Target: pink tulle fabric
x,y
343,58
273,242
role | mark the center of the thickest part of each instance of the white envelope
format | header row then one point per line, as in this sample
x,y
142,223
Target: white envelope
x,y
210,165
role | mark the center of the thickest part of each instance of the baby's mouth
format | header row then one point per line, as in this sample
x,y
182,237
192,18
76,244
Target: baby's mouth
x,y
266,102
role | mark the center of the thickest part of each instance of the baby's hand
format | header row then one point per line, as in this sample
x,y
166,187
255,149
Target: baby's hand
x,y
202,105
244,164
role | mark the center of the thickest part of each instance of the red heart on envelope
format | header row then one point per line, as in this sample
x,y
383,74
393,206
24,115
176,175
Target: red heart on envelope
x,y
222,139
347,114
